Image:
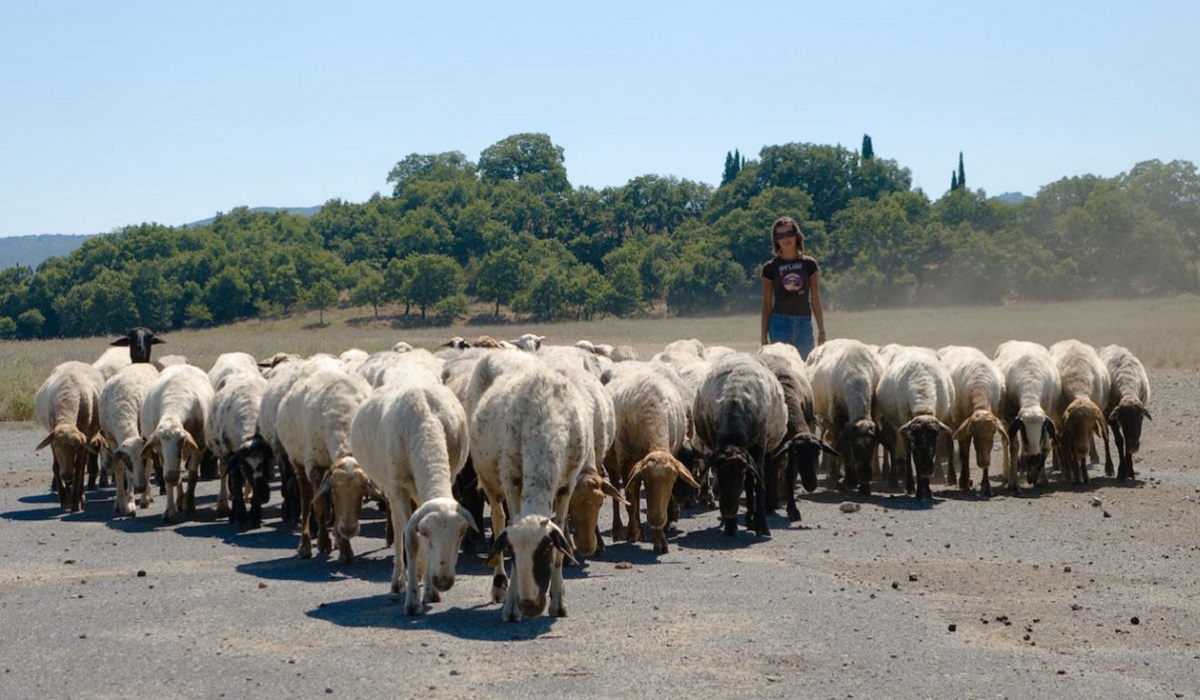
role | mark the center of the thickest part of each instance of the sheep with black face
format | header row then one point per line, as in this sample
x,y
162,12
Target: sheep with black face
x,y
740,415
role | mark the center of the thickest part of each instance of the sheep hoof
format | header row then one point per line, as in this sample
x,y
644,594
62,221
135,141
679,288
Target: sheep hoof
x,y
414,608
793,514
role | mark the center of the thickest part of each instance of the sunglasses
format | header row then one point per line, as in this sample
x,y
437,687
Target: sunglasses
x,y
779,235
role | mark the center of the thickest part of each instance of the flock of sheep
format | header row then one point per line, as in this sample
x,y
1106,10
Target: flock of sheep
x,y
546,434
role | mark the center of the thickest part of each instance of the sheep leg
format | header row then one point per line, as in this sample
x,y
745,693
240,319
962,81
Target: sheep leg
x,y
756,504
76,497
193,470
618,532
123,505
92,464
413,602
499,575
634,532
771,490
558,606
306,497
321,511
1119,440
223,493
789,485
964,458
171,481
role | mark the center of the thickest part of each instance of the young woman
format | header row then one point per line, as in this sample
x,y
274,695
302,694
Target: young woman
x,y
791,294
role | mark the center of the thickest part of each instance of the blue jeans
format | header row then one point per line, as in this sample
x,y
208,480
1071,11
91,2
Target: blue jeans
x,y
795,330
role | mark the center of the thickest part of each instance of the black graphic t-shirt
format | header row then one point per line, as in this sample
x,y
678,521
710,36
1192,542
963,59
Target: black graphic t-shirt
x,y
790,283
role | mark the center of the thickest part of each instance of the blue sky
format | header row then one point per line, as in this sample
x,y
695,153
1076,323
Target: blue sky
x,y
119,112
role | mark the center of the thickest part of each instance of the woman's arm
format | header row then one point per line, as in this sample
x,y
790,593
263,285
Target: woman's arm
x,y
768,293
817,312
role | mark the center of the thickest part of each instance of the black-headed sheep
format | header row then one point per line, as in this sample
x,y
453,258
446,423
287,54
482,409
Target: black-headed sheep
x,y
740,415
1126,405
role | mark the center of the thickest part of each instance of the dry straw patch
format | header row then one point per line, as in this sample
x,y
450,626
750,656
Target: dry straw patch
x,y
1164,333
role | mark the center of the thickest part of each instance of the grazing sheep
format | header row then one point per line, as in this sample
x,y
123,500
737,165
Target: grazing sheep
x,y
651,419
1031,389
740,414
800,453
623,353
66,406
978,390
112,361
230,364
1126,406
281,380
121,401
529,342
381,367
844,373
1085,388
411,438
530,437
587,498
139,341
313,425
172,421
231,434
914,396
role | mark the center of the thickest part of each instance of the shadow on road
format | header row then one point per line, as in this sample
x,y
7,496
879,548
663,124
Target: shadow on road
x,y
480,622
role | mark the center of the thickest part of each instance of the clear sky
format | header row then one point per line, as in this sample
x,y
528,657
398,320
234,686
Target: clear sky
x,y
116,112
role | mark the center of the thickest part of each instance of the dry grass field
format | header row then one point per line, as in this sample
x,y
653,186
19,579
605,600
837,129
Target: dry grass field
x,y
1164,333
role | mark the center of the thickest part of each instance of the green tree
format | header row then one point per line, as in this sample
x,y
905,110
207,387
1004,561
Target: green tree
x,y
368,286
30,323
431,167
962,174
8,328
523,155
868,150
502,275
321,296
625,295
435,277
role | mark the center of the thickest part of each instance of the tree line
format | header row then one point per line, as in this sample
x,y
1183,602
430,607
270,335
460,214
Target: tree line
x,y
509,230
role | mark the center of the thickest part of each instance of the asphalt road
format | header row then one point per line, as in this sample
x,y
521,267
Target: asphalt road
x,y
1040,596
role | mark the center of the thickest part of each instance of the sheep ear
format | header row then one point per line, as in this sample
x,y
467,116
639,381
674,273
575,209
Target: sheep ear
x,y
607,487
633,483
157,341
496,556
148,448
783,448
466,514
1014,427
48,439
828,449
561,543
1000,429
1049,428
326,487
122,342
944,429
189,443
685,474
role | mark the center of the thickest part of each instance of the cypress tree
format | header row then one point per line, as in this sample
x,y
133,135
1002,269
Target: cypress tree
x,y
962,175
953,181
868,151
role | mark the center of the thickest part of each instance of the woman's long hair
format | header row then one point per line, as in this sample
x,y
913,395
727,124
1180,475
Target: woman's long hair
x,y
791,223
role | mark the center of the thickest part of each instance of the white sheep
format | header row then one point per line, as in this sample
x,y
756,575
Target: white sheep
x,y
381,367
844,373
651,416
489,367
529,342
172,422
591,487
120,414
231,434
1031,389
1085,388
280,380
411,438
978,390
740,414
912,401
1126,405
229,364
112,361
66,406
313,426
530,437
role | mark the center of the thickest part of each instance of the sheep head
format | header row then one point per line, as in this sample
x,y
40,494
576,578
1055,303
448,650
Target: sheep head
x,y
1036,435
584,511
731,465
658,470
536,544
347,486
139,341
921,435
1127,417
804,455
436,529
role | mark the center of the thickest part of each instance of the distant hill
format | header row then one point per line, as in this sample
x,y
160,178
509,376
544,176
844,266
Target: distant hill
x,y
1012,197
299,211
32,250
